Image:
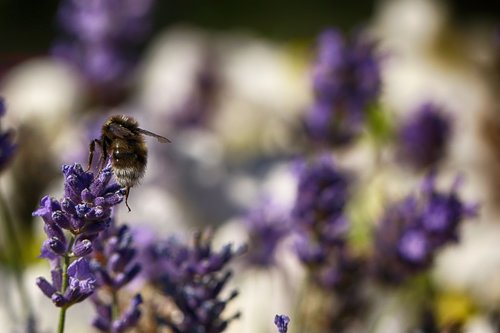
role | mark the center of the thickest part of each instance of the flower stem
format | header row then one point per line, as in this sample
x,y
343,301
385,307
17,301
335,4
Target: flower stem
x,y
115,306
62,319
64,285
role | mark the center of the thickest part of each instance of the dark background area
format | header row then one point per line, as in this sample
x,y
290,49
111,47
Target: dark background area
x,y
27,27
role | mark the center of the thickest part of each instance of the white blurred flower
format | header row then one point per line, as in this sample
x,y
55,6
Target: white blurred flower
x,y
42,92
263,89
169,69
473,265
479,324
264,96
262,293
409,25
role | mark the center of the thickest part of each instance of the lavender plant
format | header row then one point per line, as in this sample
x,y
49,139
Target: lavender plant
x,y
114,267
7,151
7,145
320,221
266,225
193,277
413,231
321,226
101,38
13,246
281,322
346,82
72,225
424,136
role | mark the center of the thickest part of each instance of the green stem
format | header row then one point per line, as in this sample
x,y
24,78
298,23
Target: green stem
x,y
15,255
115,307
62,314
13,244
62,319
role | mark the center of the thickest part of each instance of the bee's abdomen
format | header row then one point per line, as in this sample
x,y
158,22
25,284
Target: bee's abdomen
x,y
129,175
129,161
129,166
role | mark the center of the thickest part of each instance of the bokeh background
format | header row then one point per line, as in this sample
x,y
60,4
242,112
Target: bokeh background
x,y
229,83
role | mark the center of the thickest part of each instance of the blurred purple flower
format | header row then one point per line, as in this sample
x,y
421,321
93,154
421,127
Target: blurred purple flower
x,y
281,322
321,195
321,229
129,318
267,225
413,230
114,267
83,212
321,225
113,257
346,80
7,146
101,37
193,277
423,138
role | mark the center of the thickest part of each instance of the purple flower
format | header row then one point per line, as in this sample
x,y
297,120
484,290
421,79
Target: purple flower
x,y
113,258
83,213
413,246
7,146
114,266
321,228
413,230
321,224
104,321
346,80
266,225
81,284
424,136
193,276
281,322
101,37
321,195
85,209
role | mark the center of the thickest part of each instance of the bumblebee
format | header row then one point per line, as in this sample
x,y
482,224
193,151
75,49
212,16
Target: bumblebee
x,y
122,141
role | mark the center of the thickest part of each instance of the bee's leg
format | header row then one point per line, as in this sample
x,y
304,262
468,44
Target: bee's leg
x,y
102,164
103,158
127,191
91,152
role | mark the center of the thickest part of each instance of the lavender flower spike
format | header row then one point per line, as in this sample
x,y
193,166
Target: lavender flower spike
x,y
105,323
72,224
281,322
423,138
415,229
7,146
114,264
80,286
319,220
85,209
346,80
267,224
102,38
193,276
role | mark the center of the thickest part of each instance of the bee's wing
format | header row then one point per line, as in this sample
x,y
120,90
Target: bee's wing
x,y
159,137
120,131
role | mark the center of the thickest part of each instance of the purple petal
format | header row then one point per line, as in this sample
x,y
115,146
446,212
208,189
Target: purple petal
x,y
45,287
